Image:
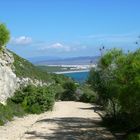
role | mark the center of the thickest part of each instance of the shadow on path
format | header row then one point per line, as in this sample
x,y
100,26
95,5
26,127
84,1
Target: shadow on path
x,y
72,128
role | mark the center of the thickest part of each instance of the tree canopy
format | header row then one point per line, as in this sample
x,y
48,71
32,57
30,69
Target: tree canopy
x,y
116,79
4,35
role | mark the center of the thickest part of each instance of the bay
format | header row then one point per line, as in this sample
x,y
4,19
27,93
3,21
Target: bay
x,y
80,77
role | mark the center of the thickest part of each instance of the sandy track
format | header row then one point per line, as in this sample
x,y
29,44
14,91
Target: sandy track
x,y
68,121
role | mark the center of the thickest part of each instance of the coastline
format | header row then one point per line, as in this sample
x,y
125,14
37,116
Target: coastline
x,y
76,71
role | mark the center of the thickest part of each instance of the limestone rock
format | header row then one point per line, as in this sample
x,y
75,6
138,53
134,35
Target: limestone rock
x,y
9,82
8,79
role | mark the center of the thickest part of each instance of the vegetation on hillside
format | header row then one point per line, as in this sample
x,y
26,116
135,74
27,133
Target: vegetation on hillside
x,y
24,69
117,82
35,99
30,99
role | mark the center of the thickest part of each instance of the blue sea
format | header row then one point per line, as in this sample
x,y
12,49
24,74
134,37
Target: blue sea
x,y
80,77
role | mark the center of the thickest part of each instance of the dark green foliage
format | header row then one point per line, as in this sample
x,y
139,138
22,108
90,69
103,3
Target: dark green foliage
x,y
104,80
17,109
70,92
30,99
35,99
24,68
58,89
4,35
117,82
8,111
133,137
87,95
60,78
5,114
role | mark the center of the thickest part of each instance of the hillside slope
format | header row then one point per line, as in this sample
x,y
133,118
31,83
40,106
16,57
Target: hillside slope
x,y
16,72
23,69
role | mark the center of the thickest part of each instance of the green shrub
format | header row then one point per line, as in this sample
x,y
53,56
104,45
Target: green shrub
x,y
133,137
17,109
69,93
8,111
34,109
116,79
60,79
5,114
58,89
87,95
35,99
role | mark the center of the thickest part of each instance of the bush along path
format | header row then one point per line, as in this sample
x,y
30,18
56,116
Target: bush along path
x,y
116,80
68,120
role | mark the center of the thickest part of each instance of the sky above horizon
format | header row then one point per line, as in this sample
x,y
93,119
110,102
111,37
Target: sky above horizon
x,y
70,28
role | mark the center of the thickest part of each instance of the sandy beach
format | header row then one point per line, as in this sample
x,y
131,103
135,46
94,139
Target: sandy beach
x,y
76,71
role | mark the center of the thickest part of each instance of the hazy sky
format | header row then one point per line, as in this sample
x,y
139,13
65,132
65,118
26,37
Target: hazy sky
x,y
69,28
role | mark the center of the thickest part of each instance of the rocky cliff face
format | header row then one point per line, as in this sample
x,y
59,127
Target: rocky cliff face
x,y
8,79
9,82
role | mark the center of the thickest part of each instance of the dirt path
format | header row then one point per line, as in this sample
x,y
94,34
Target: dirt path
x,y
68,121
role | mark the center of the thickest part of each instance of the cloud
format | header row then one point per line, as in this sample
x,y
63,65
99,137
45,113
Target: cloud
x,y
21,40
57,47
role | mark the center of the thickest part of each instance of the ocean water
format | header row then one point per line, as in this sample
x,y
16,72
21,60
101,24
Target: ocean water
x,y
80,77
